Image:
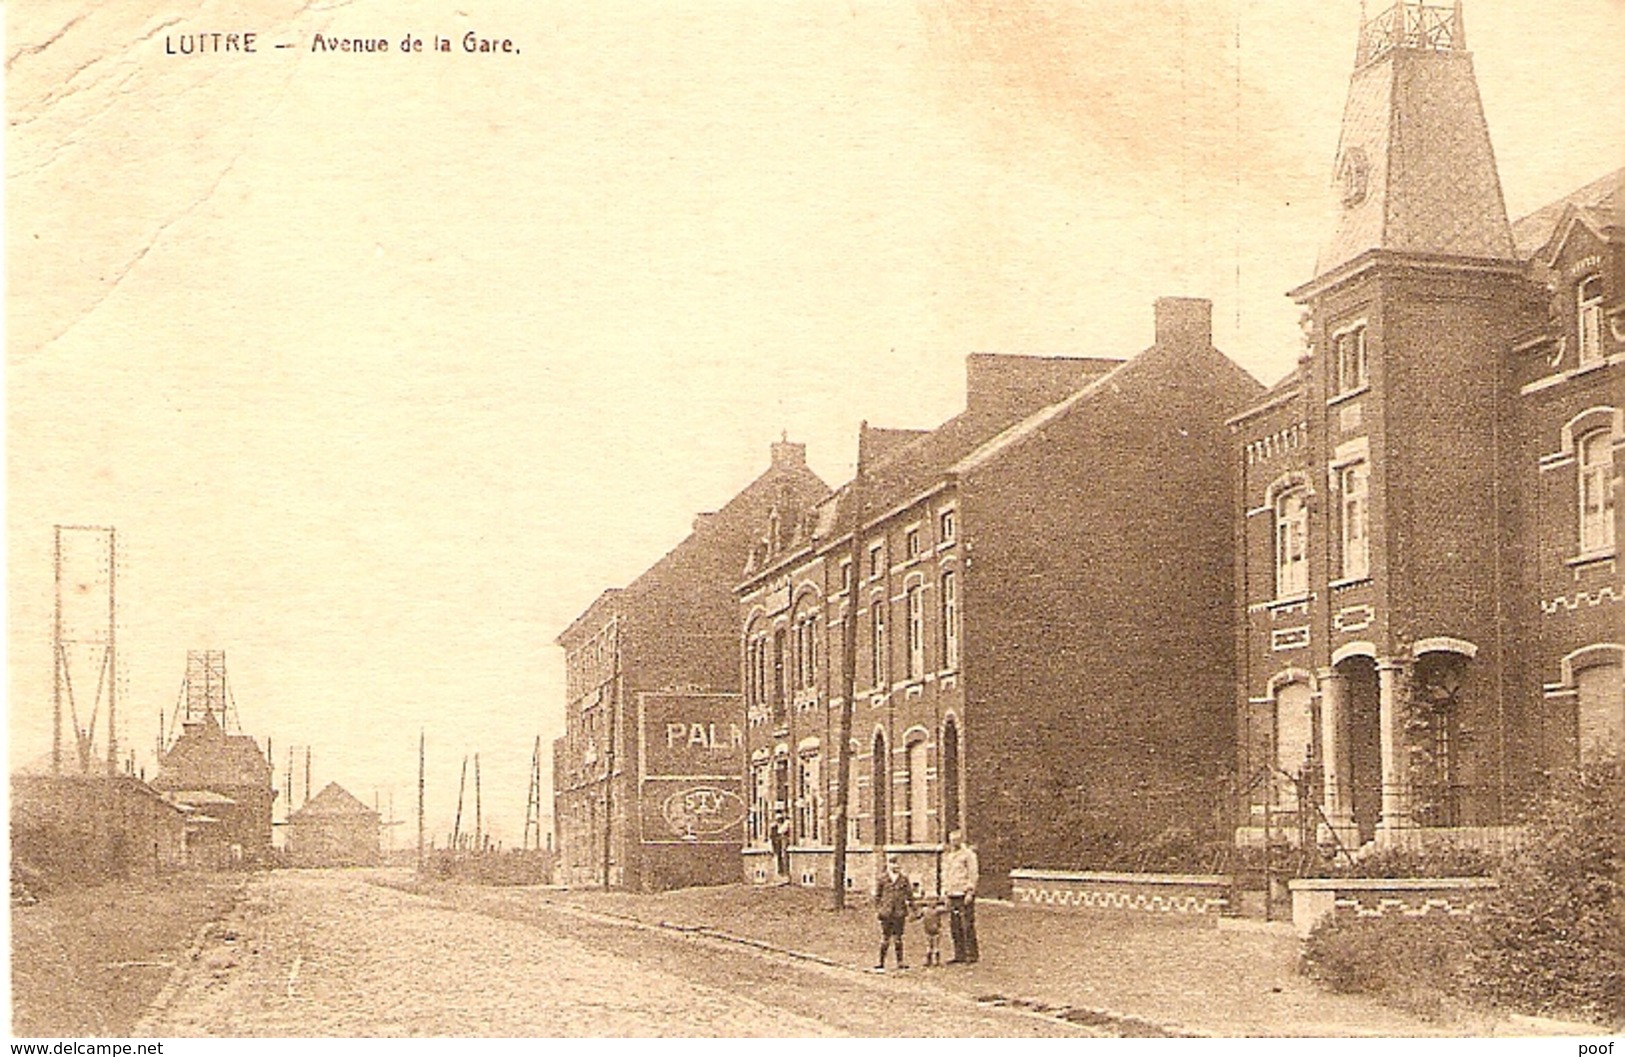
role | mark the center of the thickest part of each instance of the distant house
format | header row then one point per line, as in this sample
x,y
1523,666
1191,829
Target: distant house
x,y
333,829
224,780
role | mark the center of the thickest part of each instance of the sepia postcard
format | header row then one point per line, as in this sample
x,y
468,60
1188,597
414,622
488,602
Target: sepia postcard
x,y
923,518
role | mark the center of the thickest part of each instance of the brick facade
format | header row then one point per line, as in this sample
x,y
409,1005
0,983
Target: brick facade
x,y
673,628
1047,578
1409,518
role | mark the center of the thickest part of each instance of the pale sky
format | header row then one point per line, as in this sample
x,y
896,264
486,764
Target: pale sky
x,y
384,365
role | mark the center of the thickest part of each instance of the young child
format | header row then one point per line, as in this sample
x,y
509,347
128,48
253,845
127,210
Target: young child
x,y
932,910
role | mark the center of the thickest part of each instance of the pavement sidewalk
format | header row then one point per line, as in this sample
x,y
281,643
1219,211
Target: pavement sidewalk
x,y
1135,972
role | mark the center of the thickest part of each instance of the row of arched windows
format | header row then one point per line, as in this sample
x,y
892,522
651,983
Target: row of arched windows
x,y
902,799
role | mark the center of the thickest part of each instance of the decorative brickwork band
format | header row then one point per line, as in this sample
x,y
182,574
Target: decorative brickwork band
x,y
1151,893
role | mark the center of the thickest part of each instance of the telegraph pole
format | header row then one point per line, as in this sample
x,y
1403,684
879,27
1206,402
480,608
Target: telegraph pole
x,y
420,801
457,821
112,653
59,663
849,677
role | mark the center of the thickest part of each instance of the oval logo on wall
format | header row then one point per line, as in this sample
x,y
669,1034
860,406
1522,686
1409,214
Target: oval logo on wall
x,y
702,810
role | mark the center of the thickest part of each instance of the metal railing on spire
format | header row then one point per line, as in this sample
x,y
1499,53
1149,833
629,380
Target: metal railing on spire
x,y
1413,26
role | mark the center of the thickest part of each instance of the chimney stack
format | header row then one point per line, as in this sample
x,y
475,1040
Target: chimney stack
x,y
788,455
1184,322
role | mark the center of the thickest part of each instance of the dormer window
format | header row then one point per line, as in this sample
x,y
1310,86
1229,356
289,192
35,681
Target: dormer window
x,y
1588,301
1350,361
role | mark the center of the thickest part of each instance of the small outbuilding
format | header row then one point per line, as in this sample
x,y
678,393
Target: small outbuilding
x,y
333,828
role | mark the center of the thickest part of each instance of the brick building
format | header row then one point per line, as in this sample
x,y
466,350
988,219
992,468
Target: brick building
x,y
1427,591
225,782
664,646
92,827
333,828
1043,654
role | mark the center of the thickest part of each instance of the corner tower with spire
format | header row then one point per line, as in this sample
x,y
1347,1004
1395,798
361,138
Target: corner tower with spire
x,y
1377,624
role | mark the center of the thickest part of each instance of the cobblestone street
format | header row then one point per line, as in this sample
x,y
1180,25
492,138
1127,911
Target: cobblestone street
x,y
334,953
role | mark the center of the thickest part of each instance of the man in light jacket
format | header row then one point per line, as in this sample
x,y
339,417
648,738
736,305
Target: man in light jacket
x,y
959,876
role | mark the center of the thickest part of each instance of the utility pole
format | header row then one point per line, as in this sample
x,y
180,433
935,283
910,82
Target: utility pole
x,y
420,801
479,823
307,774
58,661
609,752
849,677
112,653
457,820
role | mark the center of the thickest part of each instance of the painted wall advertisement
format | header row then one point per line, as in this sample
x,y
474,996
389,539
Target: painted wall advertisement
x,y
692,746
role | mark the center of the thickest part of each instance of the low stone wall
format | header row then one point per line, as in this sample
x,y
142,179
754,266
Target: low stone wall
x,y
1150,892
1316,898
814,866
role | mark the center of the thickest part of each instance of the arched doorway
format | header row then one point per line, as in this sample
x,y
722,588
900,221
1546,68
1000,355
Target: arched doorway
x,y
950,776
1363,729
880,768
1294,743
1438,682
919,795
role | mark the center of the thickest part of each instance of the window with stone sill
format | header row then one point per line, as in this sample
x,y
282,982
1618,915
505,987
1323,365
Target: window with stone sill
x,y
877,643
1588,303
1350,361
1596,463
916,631
1356,526
809,798
1291,543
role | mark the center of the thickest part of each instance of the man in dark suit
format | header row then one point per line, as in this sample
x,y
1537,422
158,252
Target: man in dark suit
x,y
894,898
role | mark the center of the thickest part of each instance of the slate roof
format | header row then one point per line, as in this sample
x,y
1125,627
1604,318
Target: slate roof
x,y
1415,126
334,801
899,472
206,757
1600,204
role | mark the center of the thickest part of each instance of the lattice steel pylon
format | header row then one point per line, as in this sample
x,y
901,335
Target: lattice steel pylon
x,y
533,803
84,641
205,692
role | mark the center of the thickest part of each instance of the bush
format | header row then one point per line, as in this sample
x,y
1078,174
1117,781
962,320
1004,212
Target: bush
x,y
1554,935
1409,962
1175,850
1550,940
1439,859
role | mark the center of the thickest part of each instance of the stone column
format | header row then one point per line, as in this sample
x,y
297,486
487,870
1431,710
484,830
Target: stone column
x,y
1396,806
1334,749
